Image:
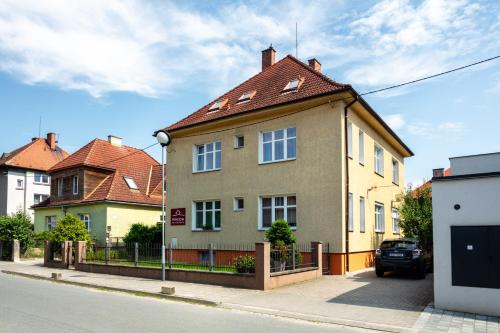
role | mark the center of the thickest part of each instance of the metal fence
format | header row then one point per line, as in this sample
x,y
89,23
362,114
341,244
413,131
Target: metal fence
x,y
5,250
211,257
291,257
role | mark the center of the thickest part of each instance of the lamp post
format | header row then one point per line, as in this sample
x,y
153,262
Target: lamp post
x,y
164,140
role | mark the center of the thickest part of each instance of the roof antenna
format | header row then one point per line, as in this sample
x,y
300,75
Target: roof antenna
x,y
40,127
296,41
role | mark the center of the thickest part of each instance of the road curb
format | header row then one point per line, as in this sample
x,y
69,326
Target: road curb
x,y
319,318
122,290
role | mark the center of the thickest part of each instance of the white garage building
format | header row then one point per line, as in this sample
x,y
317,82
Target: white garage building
x,y
466,222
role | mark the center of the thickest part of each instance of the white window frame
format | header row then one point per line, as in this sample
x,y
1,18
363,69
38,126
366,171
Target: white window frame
x,y
361,147
75,184
379,213
236,142
60,186
273,142
130,183
395,171
51,222
362,214
44,178
204,154
41,197
213,210
236,208
85,218
274,207
378,165
349,139
351,210
396,229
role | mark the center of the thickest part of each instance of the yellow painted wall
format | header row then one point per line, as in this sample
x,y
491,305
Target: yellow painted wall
x,y
120,217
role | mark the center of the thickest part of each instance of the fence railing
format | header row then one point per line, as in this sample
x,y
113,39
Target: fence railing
x,y
291,257
211,257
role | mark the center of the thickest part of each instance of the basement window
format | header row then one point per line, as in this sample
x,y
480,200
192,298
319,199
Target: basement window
x,y
131,183
218,105
246,96
293,85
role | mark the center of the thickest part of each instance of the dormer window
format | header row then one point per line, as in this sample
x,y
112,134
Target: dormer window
x,y
131,183
247,96
218,105
293,85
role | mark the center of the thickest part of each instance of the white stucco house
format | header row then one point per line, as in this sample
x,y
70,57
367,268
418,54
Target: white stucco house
x,y
23,178
466,226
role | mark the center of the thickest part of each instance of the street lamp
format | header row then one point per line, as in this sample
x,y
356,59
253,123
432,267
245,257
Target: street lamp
x,y
164,140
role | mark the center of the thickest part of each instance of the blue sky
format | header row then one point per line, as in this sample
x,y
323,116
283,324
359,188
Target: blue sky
x,y
95,68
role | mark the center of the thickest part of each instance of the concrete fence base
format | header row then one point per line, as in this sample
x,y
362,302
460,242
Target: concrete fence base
x,y
263,279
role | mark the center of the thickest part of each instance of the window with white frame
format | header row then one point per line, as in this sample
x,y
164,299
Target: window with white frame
x,y
85,218
60,186
37,198
362,223
278,208
130,183
349,139
206,215
379,217
379,160
395,171
395,221
361,139
207,156
41,178
51,222
75,184
20,184
239,204
351,220
279,145
239,141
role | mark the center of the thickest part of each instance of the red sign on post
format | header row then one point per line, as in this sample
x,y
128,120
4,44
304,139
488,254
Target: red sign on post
x,y
178,216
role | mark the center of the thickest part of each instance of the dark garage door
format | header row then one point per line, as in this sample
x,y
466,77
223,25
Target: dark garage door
x,y
475,256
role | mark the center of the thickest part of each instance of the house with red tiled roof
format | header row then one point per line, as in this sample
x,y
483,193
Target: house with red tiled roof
x,y
108,185
23,174
441,172
288,143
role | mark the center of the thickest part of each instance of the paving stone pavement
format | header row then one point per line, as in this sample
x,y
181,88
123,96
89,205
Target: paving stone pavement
x,y
436,320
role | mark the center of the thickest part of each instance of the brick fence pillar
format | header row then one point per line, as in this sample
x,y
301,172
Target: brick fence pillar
x,y
317,254
47,253
262,265
80,252
16,249
66,253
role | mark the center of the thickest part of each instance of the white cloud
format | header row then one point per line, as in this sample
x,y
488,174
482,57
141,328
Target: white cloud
x,y
395,121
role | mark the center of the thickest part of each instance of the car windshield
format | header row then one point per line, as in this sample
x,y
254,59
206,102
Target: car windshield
x,y
407,245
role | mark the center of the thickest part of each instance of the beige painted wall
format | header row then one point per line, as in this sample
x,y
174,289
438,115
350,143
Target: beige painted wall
x,y
120,217
316,178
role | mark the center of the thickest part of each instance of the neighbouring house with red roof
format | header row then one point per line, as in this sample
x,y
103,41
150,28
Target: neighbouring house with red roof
x,y
23,174
441,172
109,186
289,143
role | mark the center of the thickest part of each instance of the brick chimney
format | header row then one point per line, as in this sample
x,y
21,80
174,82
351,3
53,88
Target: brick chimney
x,y
315,64
51,140
114,140
268,57
438,172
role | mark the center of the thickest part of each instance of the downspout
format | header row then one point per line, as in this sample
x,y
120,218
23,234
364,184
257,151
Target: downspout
x,y
346,109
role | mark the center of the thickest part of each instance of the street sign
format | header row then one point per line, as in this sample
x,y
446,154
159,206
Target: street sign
x,y
178,216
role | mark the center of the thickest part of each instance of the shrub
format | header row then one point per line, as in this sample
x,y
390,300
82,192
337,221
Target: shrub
x,y
245,264
70,228
280,231
17,226
143,234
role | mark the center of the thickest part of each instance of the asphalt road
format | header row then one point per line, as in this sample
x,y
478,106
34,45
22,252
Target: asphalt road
x,y
28,305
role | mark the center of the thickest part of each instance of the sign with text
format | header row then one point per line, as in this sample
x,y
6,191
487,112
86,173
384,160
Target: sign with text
x,y
178,216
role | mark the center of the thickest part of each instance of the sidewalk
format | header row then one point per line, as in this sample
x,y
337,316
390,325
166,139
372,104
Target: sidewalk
x,y
361,300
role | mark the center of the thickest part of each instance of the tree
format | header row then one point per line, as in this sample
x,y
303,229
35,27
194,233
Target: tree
x,y
143,234
17,226
280,232
70,228
416,216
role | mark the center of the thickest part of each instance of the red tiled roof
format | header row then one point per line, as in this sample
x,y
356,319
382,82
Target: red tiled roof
x,y
35,155
121,161
268,85
428,184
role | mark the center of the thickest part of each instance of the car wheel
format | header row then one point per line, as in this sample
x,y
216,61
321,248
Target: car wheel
x,y
379,272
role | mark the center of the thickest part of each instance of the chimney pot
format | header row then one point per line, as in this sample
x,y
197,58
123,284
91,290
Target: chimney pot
x,y
438,172
114,140
268,57
51,140
315,64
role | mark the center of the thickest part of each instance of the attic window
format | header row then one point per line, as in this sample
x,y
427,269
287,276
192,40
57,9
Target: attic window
x,y
218,105
293,85
246,96
131,183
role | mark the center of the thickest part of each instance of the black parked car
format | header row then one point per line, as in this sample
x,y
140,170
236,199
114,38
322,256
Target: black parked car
x,y
402,254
